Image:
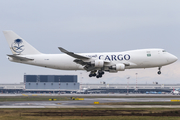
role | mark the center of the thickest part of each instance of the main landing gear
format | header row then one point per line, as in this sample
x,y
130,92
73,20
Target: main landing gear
x,y
98,74
92,74
159,72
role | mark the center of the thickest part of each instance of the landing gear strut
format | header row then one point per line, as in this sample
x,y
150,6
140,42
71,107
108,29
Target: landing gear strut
x,y
100,73
159,72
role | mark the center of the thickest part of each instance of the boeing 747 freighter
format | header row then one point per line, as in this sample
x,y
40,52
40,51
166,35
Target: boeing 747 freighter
x,y
95,63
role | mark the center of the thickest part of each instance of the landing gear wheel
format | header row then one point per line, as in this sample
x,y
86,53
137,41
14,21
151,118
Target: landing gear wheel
x,y
94,74
100,73
90,75
159,72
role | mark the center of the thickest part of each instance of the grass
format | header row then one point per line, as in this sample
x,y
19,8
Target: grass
x,y
88,113
19,114
91,118
32,98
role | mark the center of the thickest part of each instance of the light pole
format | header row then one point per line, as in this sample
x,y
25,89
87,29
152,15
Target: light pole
x,y
59,85
24,81
136,81
80,79
128,84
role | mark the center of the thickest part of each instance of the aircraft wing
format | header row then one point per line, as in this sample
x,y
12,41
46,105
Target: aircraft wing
x,y
19,57
73,54
84,60
80,59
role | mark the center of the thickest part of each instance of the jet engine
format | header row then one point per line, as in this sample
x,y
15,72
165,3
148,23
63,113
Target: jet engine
x,y
119,67
98,63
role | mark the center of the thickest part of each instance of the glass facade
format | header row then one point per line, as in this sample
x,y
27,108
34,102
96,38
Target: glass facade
x,y
50,78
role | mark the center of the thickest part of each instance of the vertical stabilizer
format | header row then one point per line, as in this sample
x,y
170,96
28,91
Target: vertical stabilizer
x,y
18,45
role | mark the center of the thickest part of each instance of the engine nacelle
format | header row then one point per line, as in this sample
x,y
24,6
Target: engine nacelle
x,y
98,63
119,67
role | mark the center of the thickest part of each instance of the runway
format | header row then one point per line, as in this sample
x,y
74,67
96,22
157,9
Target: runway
x,y
89,103
94,95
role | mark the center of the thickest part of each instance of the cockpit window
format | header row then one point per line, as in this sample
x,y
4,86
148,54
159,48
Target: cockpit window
x,y
164,51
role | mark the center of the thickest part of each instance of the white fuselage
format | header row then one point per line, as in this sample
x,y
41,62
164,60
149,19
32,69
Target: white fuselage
x,y
144,58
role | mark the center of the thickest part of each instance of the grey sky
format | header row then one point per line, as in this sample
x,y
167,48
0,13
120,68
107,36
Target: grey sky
x,y
92,26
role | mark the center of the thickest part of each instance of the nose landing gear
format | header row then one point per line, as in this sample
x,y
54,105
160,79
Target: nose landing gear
x,y
159,72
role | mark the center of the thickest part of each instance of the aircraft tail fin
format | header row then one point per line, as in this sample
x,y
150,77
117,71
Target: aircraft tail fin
x,y
18,45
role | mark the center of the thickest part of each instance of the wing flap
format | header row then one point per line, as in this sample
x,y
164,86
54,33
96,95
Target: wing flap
x,y
78,61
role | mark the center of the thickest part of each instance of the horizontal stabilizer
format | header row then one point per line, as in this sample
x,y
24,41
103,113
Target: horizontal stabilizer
x,y
73,54
19,57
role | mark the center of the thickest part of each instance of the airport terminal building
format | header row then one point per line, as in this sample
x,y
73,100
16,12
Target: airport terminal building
x,y
51,82
130,88
69,84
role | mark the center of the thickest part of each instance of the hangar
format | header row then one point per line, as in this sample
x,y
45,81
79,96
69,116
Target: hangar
x,y
51,83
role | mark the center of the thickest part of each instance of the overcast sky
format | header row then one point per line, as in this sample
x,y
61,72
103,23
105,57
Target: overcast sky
x,y
92,26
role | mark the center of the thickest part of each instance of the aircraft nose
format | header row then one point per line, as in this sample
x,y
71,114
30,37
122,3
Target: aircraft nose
x,y
176,58
173,58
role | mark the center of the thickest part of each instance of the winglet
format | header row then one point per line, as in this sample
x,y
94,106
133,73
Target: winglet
x,y
63,50
72,54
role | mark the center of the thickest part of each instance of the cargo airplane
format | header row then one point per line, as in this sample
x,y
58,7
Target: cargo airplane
x,y
95,63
